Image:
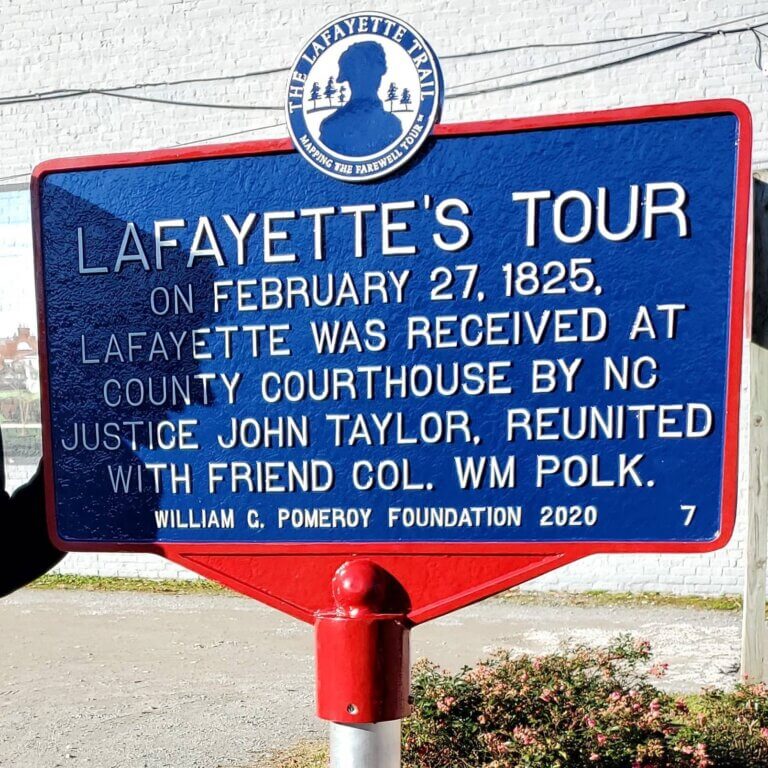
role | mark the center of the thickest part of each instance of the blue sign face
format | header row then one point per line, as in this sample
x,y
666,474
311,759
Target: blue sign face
x,y
363,96
524,338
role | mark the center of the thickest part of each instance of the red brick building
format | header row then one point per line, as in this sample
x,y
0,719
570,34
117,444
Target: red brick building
x,y
19,378
21,346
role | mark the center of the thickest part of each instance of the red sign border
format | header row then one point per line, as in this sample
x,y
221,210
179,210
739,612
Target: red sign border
x,y
567,551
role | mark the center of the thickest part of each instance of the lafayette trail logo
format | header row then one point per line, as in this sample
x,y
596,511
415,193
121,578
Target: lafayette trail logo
x,y
363,96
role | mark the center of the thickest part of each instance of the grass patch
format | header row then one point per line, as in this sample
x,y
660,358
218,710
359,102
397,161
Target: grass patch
x,y
599,598
591,599
302,756
121,584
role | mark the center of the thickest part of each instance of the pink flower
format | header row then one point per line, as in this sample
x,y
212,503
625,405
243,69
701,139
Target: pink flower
x,y
594,757
601,739
445,704
495,744
642,646
700,753
524,735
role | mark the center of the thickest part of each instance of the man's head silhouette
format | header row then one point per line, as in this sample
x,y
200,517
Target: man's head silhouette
x,y
361,126
363,65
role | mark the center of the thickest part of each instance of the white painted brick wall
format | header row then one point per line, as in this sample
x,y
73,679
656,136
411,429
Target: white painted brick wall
x,y
50,44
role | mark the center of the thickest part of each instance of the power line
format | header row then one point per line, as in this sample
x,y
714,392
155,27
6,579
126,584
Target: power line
x,y
179,103
712,29
759,37
118,91
62,93
574,73
702,34
709,32
562,62
179,144
554,64
230,135
119,94
16,176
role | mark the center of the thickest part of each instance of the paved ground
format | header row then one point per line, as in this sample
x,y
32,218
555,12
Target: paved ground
x,y
135,680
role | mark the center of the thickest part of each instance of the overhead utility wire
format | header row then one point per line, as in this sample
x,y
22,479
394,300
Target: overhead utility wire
x,y
15,176
711,31
759,37
71,92
180,103
545,79
506,87
230,135
180,144
574,73
275,108
563,62
702,34
118,91
594,68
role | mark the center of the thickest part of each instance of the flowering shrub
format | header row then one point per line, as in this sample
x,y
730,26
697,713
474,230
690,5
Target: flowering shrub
x,y
734,726
584,708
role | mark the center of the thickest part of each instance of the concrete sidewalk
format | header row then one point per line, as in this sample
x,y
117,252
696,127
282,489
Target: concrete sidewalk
x,y
138,680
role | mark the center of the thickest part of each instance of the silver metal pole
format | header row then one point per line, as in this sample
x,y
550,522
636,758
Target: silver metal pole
x,y
365,745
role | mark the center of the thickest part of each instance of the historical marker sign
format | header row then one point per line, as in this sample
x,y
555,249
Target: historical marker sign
x,y
528,341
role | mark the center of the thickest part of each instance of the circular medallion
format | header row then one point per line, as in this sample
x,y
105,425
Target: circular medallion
x,y
363,95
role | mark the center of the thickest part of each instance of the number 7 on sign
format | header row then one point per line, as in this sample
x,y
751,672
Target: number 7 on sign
x,y
690,510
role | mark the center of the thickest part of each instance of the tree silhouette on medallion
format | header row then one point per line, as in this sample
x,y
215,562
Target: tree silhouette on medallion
x,y
362,126
330,91
314,94
392,95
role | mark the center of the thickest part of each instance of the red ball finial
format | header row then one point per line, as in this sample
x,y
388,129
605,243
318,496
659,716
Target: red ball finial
x,y
359,587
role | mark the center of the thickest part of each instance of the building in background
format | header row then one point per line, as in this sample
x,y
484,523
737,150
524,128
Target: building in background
x,y
19,380
83,78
